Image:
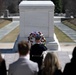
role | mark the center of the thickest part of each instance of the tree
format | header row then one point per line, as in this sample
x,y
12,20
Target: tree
x,y
69,6
2,6
13,6
58,6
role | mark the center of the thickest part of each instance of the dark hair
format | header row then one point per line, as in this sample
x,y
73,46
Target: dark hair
x,y
74,52
37,37
23,47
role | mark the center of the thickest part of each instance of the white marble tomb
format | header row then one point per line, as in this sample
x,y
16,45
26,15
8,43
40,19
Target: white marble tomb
x,y
38,16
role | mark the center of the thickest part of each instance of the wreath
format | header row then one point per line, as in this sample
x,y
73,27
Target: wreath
x,y
32,36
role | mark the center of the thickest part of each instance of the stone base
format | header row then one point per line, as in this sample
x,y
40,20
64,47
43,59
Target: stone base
x,y
54,45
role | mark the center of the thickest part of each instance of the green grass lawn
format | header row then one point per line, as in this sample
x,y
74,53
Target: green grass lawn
x,y
11,37
4,23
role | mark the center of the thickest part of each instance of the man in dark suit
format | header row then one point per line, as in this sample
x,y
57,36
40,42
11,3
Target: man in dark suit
x,y
23,66
37,50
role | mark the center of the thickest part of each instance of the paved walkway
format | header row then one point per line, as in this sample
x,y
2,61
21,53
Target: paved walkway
x,y
8,28
68,31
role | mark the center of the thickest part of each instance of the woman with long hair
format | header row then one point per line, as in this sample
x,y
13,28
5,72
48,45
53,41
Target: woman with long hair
x,y
2,66
51,65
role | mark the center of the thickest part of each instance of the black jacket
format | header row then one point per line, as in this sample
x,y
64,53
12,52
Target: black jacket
x,y
37,49
70,68
56,72
3,68
36,53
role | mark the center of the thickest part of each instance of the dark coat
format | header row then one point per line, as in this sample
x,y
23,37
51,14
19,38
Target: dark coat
x,y
3,68
37,50
56,72
70,68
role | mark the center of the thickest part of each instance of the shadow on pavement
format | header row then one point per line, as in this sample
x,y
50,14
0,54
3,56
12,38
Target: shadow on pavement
x,y
7,51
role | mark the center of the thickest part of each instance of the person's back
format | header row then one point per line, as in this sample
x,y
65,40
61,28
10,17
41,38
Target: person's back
x,y
36,51
23,66
51,65
2,66
38,47
69,68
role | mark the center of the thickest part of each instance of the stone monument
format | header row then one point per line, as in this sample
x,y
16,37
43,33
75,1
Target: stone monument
x,y
38,16
6,13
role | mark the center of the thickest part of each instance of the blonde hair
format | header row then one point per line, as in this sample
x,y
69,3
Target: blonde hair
x,y
51,63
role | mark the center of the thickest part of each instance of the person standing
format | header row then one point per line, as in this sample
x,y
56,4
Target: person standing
x,y
23,66
2,66
37,50
51,65
70,67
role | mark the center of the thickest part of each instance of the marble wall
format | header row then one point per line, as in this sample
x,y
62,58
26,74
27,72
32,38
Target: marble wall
x,y
37,16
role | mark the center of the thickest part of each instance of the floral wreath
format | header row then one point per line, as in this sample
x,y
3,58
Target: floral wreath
x,y
34,34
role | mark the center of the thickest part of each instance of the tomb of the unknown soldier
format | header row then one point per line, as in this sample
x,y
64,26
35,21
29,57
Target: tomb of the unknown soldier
x,y
37,16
